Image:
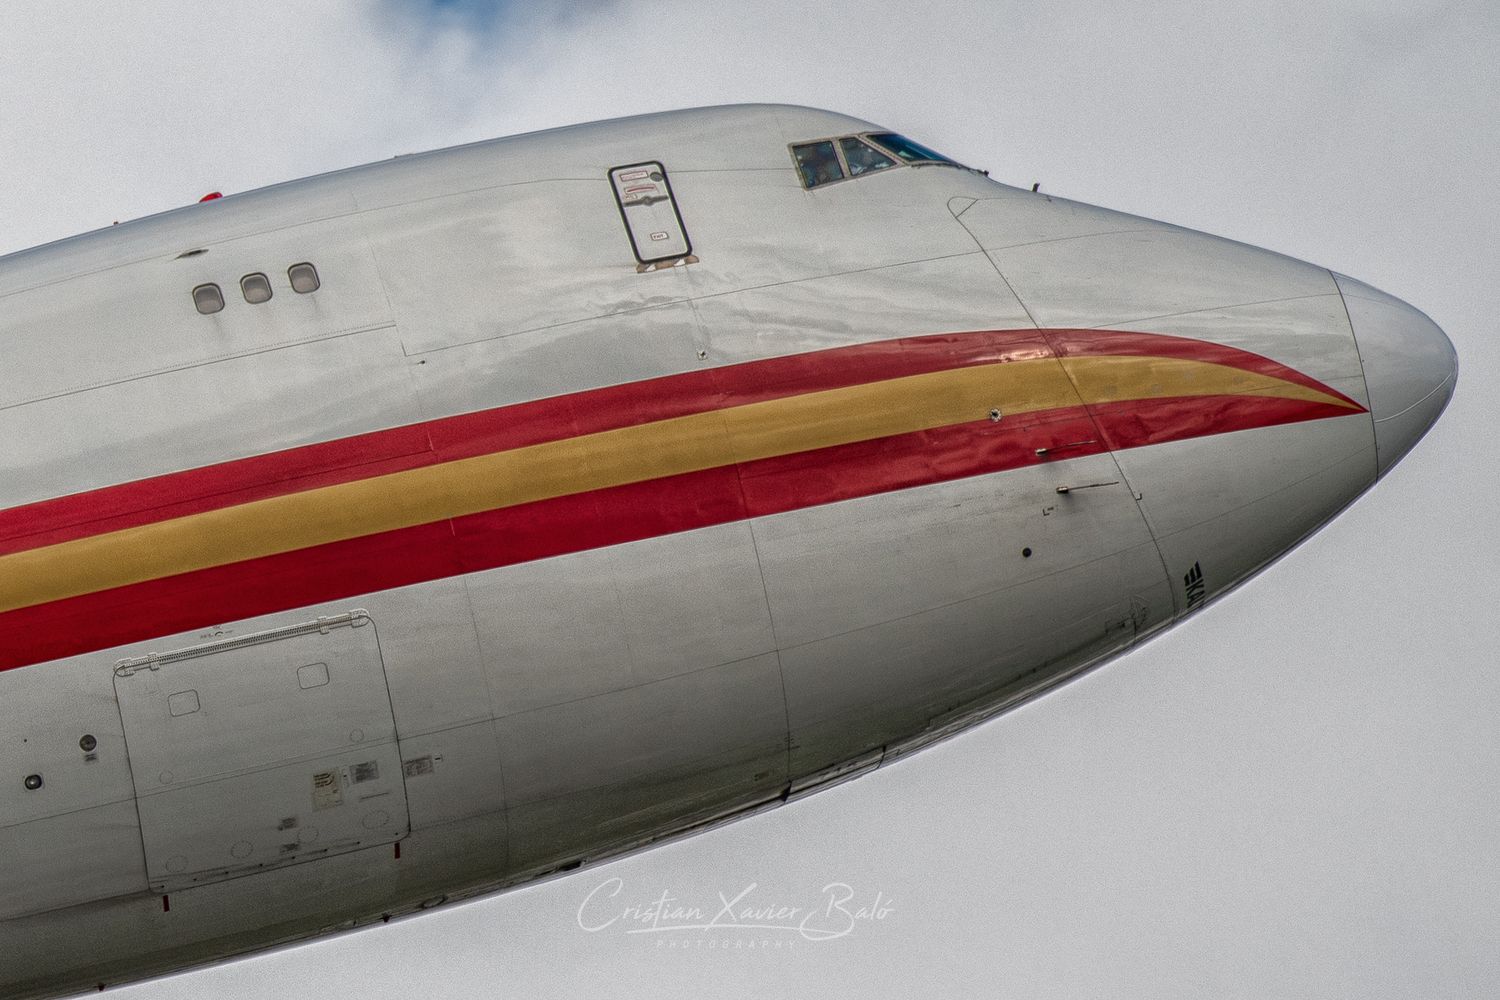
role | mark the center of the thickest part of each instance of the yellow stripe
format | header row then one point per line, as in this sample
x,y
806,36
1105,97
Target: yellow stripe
x,y
1108,379
609,458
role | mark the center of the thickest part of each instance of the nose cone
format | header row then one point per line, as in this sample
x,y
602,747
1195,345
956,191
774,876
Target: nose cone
x,y
1410,367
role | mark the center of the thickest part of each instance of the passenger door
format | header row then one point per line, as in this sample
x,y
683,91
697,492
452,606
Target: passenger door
x,y
650,212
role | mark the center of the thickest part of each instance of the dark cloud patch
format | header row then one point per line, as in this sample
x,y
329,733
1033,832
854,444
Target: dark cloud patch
x,y
488,16
482,13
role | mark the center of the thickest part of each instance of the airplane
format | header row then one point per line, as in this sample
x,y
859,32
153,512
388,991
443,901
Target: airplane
x,y
405,533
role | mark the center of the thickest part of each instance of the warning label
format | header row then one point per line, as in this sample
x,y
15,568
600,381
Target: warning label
x,y
328,790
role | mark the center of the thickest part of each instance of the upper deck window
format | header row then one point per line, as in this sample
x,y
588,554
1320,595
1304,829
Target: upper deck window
x,y
256,288
304,278
208,299
911,152
818,163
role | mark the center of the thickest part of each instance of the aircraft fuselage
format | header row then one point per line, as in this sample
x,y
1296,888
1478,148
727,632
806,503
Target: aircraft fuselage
x,y
399,534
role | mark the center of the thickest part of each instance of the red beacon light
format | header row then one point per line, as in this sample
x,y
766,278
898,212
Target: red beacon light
x,y
212,195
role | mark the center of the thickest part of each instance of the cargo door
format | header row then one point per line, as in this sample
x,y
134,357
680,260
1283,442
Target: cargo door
x,y
263,750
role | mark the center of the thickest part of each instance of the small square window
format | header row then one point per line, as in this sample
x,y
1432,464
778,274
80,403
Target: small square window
x,y
312,676
256,287
304,278
208,299
183,703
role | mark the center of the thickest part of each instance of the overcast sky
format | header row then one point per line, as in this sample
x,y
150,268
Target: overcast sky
x,y
1294,794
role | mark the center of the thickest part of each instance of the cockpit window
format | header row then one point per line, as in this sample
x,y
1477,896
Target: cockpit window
x,y
862,157
911,152
846,157
818,163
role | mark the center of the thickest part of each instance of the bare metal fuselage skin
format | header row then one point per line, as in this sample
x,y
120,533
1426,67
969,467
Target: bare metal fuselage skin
x,y
499,551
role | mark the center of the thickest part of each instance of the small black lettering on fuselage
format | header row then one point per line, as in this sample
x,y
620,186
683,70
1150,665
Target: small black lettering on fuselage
x,y
1193,583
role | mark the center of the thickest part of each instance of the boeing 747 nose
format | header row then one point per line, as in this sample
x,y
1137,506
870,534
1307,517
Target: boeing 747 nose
x,y
1410,367
429,527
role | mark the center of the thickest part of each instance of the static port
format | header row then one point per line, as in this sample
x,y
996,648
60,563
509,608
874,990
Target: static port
x,y
33,782
88,744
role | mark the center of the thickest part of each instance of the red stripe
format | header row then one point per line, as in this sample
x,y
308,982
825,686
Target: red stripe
x,y
515,534
1155,421
606,517
807,479
227,484
244,480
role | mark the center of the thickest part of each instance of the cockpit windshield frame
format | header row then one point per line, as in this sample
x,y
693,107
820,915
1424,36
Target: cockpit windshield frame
x,y
826,160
